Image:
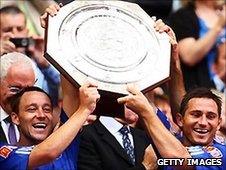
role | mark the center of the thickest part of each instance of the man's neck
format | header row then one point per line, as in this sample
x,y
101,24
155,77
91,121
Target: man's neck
x,y
122,121
222,133
26,142
188,143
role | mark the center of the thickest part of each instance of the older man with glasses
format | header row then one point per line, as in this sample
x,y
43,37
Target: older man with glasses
x,y
16,73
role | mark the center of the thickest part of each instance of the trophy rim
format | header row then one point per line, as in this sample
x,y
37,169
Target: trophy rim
x,y
54,51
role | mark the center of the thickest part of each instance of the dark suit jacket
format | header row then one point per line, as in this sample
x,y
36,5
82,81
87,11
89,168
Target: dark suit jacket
x,y
99,150
2,134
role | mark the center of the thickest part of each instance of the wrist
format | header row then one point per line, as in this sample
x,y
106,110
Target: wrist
x,y
82,114
84,110
148,112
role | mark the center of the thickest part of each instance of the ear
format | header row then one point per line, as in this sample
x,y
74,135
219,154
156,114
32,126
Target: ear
x,y
15,118
219,123
179,120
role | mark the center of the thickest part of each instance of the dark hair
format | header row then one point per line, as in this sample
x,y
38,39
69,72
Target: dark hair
x,y
200,93
15,99
11,9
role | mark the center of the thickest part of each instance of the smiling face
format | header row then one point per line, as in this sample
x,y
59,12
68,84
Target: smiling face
x,y
35,118
200,122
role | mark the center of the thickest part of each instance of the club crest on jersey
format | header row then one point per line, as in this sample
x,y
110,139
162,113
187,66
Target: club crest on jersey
x,y
5,151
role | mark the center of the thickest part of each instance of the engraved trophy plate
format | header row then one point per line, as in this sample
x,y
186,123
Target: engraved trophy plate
x,y
113,42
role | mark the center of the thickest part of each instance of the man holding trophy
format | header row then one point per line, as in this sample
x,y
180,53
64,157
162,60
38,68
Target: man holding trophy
x,y
109,143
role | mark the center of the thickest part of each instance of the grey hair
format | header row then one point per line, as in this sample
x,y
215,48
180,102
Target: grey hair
x,y
10,59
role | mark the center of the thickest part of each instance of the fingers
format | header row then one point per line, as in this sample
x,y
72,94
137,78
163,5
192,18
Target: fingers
x,y
133,89
89,89
43,19
160,26
7,36
6,47
52,10
123,100
89,96
172,36
90,83
5,44
173,42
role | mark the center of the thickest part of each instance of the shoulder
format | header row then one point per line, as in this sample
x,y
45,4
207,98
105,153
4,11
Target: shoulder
x,y
139,132
220,140
140,137
13,157
216,150
7,150
195,150
91,129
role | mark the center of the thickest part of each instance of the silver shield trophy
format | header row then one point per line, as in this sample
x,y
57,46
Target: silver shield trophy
x,y
113,42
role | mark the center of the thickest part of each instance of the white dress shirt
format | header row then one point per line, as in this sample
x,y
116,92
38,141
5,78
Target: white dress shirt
x,y
5,125
113,126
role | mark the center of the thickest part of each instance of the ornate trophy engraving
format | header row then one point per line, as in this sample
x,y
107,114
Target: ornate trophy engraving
x,y
113,42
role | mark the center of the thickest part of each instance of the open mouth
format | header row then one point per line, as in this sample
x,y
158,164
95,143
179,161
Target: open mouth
x,y
201,131
40,126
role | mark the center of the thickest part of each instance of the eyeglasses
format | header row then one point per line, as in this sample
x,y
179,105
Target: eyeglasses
x,y
17,89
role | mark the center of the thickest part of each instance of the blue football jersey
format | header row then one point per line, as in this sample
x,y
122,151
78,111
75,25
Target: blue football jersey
x,y
163,119
203,153
16,158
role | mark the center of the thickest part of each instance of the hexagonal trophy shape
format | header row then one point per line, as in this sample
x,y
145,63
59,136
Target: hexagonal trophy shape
x,y
112,42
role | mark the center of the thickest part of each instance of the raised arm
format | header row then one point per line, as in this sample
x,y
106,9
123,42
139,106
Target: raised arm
x,y
170,148
176,83
70,92
70,96
53,146
193,50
